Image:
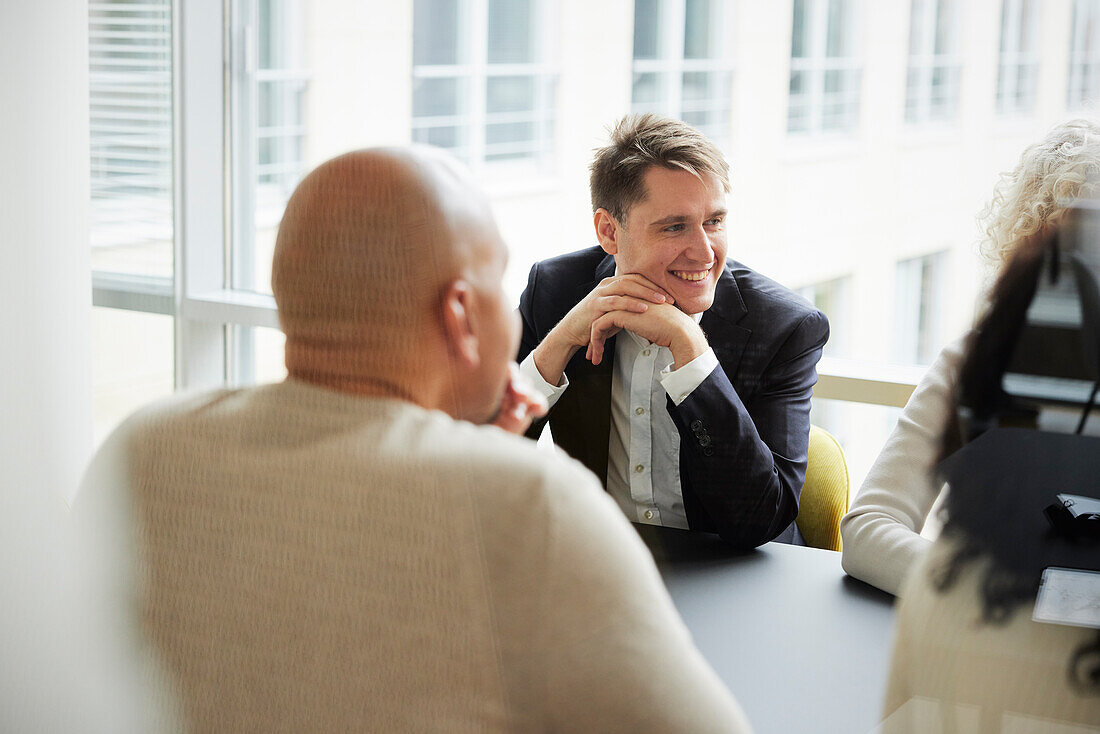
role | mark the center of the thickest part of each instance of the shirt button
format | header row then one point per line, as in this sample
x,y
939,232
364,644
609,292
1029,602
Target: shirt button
x,y
683,397
648,514
639,468
639,411
645,352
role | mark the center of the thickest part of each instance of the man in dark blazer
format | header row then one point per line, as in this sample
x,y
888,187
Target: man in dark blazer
x,y
691,398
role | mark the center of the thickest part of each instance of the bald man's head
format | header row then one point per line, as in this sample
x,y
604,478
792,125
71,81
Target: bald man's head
x,y
367,248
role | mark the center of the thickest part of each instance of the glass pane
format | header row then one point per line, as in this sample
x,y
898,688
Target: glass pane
x,y
699,85
260,355
917,30
1028,23
133,358
504,141
699,26
798,82
441,97
1007,44
838,39
945,27
130,116
437,32
646,28
1027,77
510,94
800,44
944,93
648,92
511,32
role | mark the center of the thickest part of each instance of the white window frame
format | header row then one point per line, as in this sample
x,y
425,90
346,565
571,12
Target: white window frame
x,y
1013,59
477,70
816,64
925,62
1084,57
672,65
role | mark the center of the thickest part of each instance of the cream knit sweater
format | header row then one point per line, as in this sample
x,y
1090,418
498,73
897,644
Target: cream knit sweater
x,y
312,561
953,672
881,532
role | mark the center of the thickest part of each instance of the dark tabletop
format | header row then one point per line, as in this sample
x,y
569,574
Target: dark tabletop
x,y
803,647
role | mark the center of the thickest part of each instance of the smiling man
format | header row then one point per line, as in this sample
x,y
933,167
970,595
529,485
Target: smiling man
x,y
682,379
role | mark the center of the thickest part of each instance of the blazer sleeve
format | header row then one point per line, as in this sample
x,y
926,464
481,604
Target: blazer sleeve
x,y
746,461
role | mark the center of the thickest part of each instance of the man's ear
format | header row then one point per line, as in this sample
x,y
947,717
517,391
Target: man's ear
x,y
458,323
607,231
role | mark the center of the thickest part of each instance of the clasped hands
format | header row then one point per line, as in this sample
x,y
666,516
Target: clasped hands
x,y
629,302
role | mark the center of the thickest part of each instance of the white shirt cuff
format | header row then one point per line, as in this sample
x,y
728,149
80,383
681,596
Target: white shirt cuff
x,y
680,383
551,393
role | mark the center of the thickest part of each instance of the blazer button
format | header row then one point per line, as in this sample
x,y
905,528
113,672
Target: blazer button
x,y
704,441
708,451
696,425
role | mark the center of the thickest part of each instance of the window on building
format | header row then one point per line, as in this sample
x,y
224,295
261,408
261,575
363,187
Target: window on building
x,y
483,80
825,67
682,63
1084,54
920,300
1018,67
831,297
935,65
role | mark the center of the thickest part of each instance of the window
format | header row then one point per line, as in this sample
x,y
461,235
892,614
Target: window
x,y
483,84
920,302
1018,69
932,82
831,298
130,117
268,118
825,70
682,66
131,213
1084,54
186,208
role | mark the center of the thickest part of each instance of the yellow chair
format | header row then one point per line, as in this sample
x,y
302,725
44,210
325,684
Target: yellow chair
x,y
825,495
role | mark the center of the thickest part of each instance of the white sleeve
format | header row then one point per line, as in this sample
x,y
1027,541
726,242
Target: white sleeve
x,y
881,532
680,383
550,392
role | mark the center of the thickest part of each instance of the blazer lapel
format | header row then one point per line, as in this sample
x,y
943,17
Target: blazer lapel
x,y
720,324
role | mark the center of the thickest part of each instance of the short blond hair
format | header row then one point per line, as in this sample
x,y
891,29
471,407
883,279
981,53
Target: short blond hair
x,y
640,141
1061,167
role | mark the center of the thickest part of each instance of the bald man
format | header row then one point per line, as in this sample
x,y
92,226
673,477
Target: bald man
x,y
354,548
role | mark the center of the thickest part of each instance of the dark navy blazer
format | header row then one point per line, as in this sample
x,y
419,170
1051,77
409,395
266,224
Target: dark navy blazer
x,y
744,432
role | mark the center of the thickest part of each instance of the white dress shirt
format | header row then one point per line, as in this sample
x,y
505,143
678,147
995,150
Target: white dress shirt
x,y
643,451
